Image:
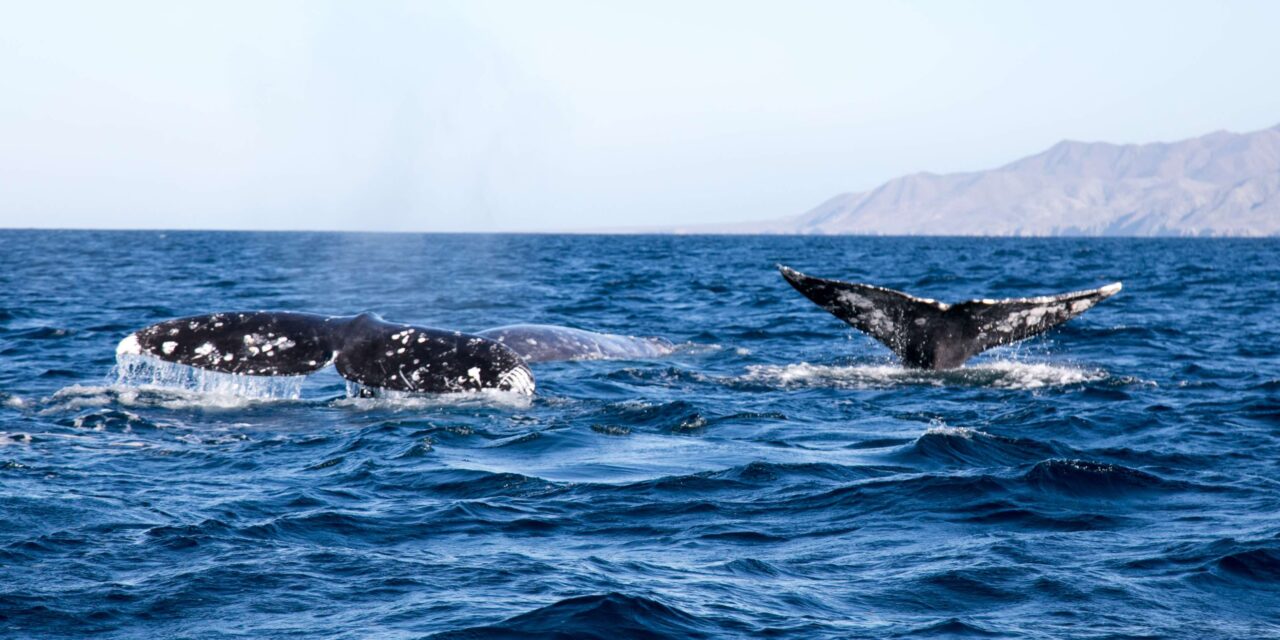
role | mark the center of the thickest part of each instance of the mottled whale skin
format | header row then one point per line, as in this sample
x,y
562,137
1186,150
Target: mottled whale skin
x,y
543,343
365,349
928,334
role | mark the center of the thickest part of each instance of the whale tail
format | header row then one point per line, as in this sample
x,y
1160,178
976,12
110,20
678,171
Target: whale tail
x,y
928,334
365,349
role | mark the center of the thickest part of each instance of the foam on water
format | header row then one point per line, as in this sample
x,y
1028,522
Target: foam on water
x,y
7,439
999,375
77,397
370,399
940,429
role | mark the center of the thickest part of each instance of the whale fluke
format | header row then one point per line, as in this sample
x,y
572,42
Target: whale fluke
x,y
928,334
365,349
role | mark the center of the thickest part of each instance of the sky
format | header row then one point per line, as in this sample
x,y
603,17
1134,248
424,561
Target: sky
x,y
562,115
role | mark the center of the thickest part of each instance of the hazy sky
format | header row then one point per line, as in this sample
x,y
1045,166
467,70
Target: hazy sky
x,y
544,115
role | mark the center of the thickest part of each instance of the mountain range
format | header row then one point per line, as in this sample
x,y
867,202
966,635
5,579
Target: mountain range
x,y
1220,184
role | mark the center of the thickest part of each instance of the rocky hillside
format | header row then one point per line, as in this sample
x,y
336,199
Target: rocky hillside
x,y
1221,184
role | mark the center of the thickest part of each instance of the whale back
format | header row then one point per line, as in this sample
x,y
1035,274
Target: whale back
x,y
403,357
545,343
365,349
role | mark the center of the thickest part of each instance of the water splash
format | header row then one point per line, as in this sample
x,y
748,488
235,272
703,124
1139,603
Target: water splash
x,y
145,372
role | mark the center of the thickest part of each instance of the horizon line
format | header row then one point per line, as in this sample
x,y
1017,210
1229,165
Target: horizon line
x,y
644,234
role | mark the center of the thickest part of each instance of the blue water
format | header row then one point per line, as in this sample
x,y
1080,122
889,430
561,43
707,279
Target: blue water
x,y
778,476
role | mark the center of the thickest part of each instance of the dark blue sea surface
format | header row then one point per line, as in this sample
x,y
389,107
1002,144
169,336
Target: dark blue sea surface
x,y
779,475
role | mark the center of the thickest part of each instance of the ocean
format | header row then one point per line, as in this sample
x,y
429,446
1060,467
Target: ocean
x,y
779,475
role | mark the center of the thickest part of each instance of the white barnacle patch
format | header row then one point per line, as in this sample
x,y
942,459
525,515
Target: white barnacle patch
x,y
1034,316
517,380
173,331
168,347
229,357
1080,306
129,346
474,374
204,349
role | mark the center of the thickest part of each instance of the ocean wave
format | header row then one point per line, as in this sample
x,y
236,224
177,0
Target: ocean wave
x,y
970,447
665,376
1249,564
42,333
678,417
110,420
799,477
596,617
1009,514
1084,477
1260,565
954,628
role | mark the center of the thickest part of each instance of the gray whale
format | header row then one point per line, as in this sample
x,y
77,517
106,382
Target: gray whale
x,y
373,352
